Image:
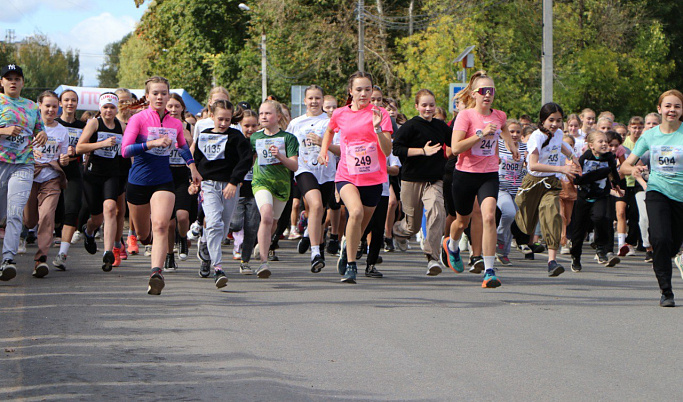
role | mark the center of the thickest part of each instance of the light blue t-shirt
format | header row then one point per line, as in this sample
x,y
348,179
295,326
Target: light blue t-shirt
x,y
666,161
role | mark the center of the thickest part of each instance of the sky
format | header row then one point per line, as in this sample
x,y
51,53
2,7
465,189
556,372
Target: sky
x,y
86,25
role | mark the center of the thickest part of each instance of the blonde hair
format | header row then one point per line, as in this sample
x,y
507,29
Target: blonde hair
x,y
281,118
465,94
217,90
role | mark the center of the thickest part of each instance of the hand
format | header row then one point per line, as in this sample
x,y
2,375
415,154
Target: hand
x,y
323,159
109,142
490,129
275,152
376,117
40,139
636,173
37,154
11,131
314,139
64,159
430,149
162,142
193,189
617,192
571,171
71,151
196,177
229,191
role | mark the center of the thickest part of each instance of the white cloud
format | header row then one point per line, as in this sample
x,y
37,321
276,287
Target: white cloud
x,y
20,10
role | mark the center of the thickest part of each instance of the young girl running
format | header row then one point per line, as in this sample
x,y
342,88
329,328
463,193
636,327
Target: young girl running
x,y
365,141
573,128
276,155
567,196
315,181
635,130
48,180
538,198
223,157
664,197
149,137
593,207
102,180
419,145
475,140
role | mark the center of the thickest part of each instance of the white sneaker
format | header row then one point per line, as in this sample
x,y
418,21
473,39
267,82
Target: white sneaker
x,y
433,268
245,269
256,254
263,271
60,262
22,246
195,231
148,251
631,251
464,243
525,249
76,237
564,250
401,243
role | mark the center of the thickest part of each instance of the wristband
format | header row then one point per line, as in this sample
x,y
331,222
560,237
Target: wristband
x,y
378,130
144,146
424,152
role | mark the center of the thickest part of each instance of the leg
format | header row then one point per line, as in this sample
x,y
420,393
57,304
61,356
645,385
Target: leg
x,y
436,219
48,198
19,179
161,205
504,233
110,224
213,216
251,228
551,221
377,224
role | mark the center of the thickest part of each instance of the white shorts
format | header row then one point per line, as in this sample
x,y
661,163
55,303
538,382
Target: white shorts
x,y
265,197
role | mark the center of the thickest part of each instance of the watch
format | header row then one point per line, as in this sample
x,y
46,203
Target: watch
x,y
479,134
378,130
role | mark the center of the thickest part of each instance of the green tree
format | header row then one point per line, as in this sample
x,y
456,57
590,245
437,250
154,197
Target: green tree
x,y
107,74
135,65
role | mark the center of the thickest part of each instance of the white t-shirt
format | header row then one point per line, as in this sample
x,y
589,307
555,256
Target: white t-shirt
x,y
57,144
392,160
551,154
308,152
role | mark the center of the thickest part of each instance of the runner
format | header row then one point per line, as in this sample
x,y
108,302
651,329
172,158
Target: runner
x,y
149,137
365,141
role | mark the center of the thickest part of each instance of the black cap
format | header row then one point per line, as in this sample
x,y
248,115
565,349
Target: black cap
x,y
12,68
244,105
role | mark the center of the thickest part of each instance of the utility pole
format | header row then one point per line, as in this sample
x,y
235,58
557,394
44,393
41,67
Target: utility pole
x,y
264,67
547,60
409,88
361,36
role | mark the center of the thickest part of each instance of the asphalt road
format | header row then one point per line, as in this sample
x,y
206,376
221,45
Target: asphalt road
x,y
84,334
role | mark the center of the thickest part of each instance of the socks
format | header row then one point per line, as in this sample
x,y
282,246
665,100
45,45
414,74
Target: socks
x,y
292,229
64,247
488,262
453,246
88,234
131,233
315,250
622,239
334,237
117,244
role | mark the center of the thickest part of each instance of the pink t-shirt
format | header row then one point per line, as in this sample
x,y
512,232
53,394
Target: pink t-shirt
x,y
362,162
483,156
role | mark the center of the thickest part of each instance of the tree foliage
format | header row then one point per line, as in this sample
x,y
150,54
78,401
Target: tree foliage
x,y
107,74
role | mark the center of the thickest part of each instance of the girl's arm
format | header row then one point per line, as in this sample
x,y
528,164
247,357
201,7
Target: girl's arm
x,y
629,165
569,153
84,145
326,146
509,143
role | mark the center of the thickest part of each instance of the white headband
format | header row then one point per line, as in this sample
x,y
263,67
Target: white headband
x,y
106,99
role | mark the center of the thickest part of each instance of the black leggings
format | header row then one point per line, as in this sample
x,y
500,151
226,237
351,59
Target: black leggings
x,y
666,236
597,214
376,227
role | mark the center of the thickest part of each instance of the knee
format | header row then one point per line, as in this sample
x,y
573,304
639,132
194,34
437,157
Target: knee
x,y
488,219
160,226
355,213
109,210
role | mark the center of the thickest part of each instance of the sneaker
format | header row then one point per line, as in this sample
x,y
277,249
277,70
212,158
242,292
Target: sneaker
x,y
195,231
389,245
350,274
477,264
132,241
226,242
60,262
537,248
443,256
76,237
272,256
220,279
124,251
576,264
40,269
623,250
31,237
108,261
245,269
362,246
317,264
89,243
203,251
564,250
631,251
156,282
303,245
148,251
8,270
490,280
205,269
503,259
117,257
612,260
372,272
649,257
293,235
667,300
433,268
678,260
401,243
525,249
169,264
182,249
286,233
22,246
555,269
333,247
236,255
379,260
341,262
529,257
303,222
452,258
263,271
464,243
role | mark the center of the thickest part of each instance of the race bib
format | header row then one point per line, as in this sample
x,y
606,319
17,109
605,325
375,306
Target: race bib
x,y
308,153
212,145
154,133
552,157
362,158
50,149
666,159
262,148
74,135
174,157
16,143
111,151
250,175
511,170
486,146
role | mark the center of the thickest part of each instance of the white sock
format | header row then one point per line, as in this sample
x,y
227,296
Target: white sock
x,y
315,250
306,232
453,245
622,239
488,262
64,247
292,229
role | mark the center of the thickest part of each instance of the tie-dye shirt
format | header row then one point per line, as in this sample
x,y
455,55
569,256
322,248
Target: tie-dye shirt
x,y
25,114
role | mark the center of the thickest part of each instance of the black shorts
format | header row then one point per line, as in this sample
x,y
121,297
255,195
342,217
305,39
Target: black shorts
x,y
369,195
98,188
181,183
468,186
140,195
306,182
295,193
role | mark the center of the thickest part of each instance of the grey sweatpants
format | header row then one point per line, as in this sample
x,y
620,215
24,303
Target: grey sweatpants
x,y
16,181
218,213
247,217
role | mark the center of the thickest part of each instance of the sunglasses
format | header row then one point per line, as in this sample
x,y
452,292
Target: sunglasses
x,y
483,91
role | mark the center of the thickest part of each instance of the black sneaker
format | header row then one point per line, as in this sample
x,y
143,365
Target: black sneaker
x,y
182,248
107,261
333,247
361,249
203,251
341,261
220,279
89,243
602,258
40,269
612,260
156,282
667,300
8,270
576,264
169,264
317,264
476,264
272,256
649,257
555,269
529,256
379,260
372,272
205,269
303,245
31,237
537,248
389,245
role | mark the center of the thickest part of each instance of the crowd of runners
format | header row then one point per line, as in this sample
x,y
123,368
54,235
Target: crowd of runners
x,y
349,179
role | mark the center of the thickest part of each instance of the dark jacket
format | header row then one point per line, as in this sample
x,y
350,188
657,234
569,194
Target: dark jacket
x,y
416,133
599,176
237,162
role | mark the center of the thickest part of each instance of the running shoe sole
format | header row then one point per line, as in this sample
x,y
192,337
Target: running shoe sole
x,y
557,271
59,265
612,261
491,283
221,282
478,267
623,250
8,273
156,285
317,267
341,261
348,280
434,270
263,273
41,271
108,262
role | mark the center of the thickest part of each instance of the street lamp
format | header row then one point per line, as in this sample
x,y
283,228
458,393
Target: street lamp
x,y
264,59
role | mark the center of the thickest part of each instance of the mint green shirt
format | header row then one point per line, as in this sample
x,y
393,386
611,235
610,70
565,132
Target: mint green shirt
x,y
666,161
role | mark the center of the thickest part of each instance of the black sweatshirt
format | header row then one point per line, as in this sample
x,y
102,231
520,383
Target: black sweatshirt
x,y
416,133
597,171
237,160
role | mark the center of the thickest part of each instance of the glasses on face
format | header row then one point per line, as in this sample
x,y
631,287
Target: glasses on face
x,y
483,91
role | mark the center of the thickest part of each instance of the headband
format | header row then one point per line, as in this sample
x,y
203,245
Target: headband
x,y
106,99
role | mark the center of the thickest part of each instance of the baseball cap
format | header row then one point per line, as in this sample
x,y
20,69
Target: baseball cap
x,y
12,68
244,105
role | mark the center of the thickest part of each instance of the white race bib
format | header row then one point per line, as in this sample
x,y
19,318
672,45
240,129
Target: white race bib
x,y
174,158
212,145
111,151
15,143
551,156
263,149
74,135
308,153
250,175
154,133
486,146
667,160
50,149
510,169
